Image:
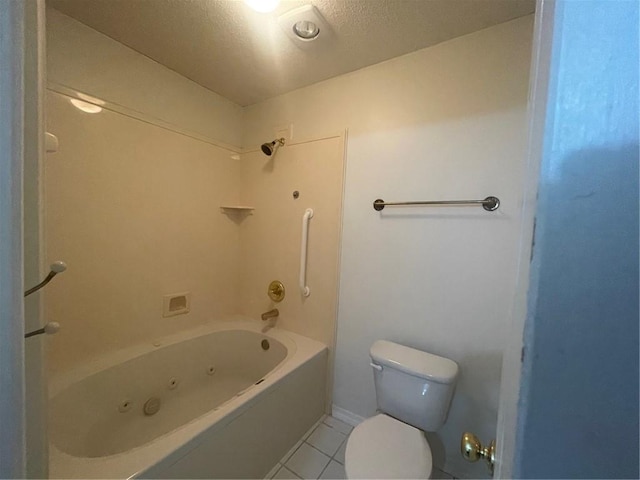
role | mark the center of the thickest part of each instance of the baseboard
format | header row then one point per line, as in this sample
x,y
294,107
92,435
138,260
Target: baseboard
x,y
346,416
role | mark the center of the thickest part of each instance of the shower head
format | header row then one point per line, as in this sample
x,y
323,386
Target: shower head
x,y
270,148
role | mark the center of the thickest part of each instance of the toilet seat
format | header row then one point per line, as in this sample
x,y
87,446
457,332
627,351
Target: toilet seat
x,y
383,447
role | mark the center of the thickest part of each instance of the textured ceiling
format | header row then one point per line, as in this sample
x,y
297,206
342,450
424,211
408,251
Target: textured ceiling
x,y
246,57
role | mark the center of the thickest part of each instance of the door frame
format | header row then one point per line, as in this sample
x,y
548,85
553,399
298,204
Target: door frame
x,y
510,388
12,411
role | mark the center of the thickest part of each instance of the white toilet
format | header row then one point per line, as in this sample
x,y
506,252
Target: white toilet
x,y
413,392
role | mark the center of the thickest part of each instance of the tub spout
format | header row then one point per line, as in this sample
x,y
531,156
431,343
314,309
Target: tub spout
x,y
270,314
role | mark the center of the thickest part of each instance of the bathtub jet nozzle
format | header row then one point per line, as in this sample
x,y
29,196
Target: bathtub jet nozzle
x,y
270,148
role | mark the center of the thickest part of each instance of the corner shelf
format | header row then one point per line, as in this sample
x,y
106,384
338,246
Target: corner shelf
x,y
237,209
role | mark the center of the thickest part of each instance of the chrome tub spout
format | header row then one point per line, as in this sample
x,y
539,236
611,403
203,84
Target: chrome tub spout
x,y
270,314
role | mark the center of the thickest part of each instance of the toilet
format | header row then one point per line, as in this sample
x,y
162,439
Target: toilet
x,y
413,392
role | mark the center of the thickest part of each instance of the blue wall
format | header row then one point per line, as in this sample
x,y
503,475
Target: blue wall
x,y
579,395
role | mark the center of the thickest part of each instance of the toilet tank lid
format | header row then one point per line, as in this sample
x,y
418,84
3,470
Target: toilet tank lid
x,y
414,362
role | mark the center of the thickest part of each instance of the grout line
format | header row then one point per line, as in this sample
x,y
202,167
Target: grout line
x,y
303,440
325,467
316,448
289,470
275,471
293,450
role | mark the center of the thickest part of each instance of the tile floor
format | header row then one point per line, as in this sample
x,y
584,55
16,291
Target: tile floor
x,y
319,454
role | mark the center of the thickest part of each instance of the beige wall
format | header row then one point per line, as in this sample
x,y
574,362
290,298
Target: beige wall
x,y
446,122
133,208
134,211
87,61
271,237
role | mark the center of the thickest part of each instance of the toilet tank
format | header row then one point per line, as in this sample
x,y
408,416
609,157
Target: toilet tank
x,y
413,386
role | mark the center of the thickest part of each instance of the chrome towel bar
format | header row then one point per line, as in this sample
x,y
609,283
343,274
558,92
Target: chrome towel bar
x,y
489,204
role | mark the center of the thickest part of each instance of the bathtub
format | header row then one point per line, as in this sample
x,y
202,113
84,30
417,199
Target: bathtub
x,y
221,401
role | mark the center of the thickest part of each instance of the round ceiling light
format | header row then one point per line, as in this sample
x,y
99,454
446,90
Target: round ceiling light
x,y
306,30
263,6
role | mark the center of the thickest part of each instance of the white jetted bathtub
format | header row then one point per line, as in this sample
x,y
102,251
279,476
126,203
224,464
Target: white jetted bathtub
x,y
221,401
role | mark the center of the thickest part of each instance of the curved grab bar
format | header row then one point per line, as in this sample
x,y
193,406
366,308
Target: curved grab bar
x,y
304,289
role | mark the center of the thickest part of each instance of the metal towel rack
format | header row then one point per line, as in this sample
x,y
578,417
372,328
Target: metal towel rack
x,y
489,204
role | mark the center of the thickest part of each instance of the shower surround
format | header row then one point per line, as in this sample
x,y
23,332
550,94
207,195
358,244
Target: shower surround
x,y
133,201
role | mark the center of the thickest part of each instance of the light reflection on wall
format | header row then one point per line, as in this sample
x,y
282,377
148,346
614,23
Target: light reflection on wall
x,y
87,103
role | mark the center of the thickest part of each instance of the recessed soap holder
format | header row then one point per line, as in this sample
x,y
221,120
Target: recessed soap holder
x,y
176,304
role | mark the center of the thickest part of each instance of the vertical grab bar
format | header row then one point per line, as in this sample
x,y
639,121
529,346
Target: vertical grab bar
x,y
304,289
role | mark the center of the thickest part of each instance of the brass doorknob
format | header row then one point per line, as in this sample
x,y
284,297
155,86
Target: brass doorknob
x,y
472,450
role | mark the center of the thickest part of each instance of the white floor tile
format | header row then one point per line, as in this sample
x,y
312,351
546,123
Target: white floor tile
x,y
310,431
307,462
334,471
273,471
326,439
339,456
439,474
338,425
284,473
293,449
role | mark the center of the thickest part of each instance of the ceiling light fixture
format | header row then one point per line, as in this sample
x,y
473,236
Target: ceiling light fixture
x,y
303,25
306,30
263,6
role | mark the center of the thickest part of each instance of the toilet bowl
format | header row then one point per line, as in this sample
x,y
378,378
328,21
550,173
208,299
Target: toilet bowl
x,y
413,392
383,447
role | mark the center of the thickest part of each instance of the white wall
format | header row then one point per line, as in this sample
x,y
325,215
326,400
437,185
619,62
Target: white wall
x,y
446,122
92,63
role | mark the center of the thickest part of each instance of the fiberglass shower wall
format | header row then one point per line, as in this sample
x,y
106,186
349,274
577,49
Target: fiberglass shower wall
x,y
134,211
